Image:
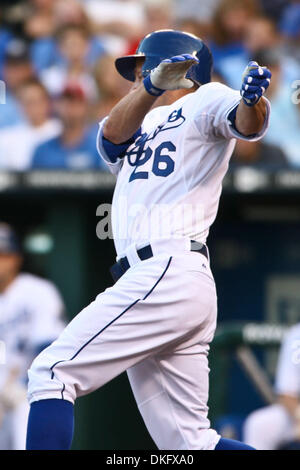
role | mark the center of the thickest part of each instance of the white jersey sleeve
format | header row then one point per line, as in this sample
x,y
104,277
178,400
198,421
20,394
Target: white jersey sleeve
x,y
114,165
288,369
212,119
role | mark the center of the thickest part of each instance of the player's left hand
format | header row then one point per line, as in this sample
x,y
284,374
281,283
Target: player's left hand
x,y
170,74
256,81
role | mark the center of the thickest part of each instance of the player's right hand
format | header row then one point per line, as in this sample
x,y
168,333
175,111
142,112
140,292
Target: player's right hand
x,y
256,81
170,75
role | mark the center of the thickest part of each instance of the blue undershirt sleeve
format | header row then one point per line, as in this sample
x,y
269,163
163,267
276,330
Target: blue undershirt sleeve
x,y
116,151
232,119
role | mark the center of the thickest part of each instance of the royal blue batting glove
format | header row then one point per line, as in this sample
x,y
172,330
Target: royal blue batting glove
x,y
256,81
170,75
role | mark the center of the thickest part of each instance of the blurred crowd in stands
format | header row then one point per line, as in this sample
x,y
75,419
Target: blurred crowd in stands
x,y
57,60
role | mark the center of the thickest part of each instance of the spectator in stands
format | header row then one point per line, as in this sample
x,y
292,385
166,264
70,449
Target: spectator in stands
x,y
18,143
285,116
41,26
159,14
111,86
17,70
228,31
119,22
258,155
194,16
193,26
201,11
31,318
263,34
12,15
5,38
274,8
75,148
41,21
71,12
290,20
259,32
290,28
74,44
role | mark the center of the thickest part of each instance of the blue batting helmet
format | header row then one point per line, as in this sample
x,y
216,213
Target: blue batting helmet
x,y
164,44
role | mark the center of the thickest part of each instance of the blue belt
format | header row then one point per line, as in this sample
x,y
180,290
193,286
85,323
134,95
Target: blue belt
x,y
120,268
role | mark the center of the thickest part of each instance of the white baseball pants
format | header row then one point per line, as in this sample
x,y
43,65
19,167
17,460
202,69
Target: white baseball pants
x,y
156,322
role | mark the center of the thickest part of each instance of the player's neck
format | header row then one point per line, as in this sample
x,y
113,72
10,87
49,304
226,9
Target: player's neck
x,y
170,97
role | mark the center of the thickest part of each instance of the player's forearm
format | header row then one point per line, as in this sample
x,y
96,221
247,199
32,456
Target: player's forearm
x,y
127,116
250,120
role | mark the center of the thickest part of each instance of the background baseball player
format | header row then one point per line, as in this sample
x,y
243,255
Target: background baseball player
x,y
30,318
278,425
158,319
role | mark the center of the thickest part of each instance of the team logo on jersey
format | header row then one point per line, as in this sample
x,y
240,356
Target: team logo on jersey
x,y
176,116
139,153
175,120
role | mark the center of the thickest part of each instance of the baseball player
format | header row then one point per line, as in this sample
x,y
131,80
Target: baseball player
x,y
276,426
169,142
30,319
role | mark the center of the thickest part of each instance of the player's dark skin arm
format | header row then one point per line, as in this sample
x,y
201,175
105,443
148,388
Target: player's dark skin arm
x,y
250,120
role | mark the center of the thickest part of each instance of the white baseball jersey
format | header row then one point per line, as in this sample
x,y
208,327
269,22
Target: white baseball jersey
x,y
158,319
288,370
30,317
170,181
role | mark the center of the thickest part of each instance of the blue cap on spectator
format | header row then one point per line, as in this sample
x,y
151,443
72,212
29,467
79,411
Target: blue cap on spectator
x,y
290,23
9,242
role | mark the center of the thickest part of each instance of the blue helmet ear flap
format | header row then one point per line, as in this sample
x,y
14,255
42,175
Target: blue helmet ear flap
x,y
201,73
